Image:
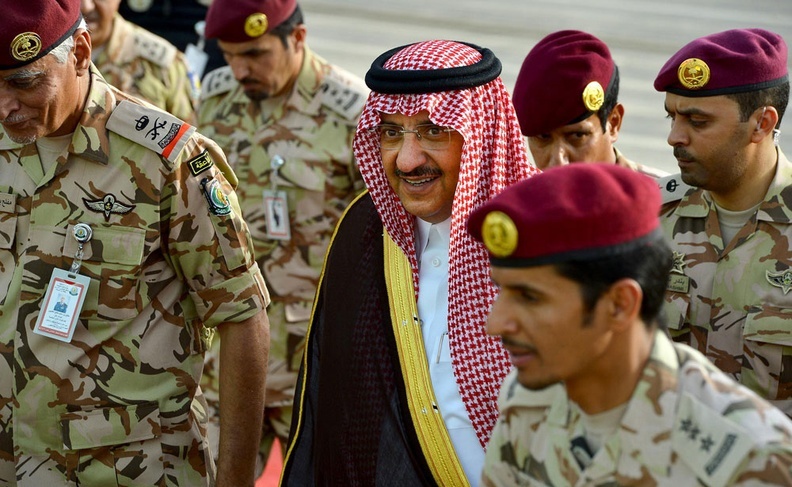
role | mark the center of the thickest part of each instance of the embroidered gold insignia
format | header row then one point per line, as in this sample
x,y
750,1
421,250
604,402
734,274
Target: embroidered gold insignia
x,y
782,280
108,205
499,234
693,73
256,24
26,46
593,96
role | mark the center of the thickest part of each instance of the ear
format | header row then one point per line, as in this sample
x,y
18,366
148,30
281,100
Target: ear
x,y
614,122
766,121
299,33
82,52
624,304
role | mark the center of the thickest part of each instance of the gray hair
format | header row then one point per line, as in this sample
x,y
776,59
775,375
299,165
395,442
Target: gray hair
x,y
62,50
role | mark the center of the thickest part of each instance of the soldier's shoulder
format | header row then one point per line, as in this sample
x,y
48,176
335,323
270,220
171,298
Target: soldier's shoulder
x,y
719,423
150,127
153,48
672,188
343,92
217,82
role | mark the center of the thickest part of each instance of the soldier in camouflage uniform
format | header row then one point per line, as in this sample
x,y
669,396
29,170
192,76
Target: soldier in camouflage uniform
x,y
285,119
130,215
567,100
728,295
600,395
138,62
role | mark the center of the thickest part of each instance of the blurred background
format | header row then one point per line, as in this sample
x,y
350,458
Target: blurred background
x,y
642,35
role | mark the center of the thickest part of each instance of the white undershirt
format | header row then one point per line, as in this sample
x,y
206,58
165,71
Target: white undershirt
x,y
731,222
433,312
50,148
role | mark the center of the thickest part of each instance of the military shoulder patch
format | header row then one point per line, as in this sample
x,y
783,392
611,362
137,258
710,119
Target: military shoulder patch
x,y
150,127
343,93
217,82
154,48
215,197
711,445
200,163
672,188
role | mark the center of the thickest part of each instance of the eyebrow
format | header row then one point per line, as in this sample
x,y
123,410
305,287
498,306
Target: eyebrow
x,y
688,111
24,74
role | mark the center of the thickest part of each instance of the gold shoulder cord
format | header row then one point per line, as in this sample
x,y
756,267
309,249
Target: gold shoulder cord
x,y
426,417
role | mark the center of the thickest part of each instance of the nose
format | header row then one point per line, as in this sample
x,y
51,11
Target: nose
x,y
677,136
411,155
500,321
559,156
240,68
8,103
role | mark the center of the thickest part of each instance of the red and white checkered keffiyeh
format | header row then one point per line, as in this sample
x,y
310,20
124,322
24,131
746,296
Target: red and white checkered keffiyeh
x,y
494,156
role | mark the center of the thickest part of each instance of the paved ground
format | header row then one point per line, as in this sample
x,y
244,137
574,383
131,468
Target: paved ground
x,y
642,35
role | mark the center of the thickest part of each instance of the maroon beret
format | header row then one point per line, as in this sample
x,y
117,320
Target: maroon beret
x,y
563,80
245,20
572,212
32,28
733,61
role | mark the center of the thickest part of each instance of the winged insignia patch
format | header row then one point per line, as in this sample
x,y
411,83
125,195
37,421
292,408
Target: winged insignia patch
x,y
108,205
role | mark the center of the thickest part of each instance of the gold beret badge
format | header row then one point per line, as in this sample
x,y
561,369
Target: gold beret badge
x,y
25,46
693,73
499,234
593,96
256,24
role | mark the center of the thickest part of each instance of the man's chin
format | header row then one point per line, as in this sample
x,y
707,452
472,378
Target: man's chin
x,y
256,95
23,139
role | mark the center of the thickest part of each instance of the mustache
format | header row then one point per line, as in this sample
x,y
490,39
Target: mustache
x,y
514,344
419,172
13,119
682,153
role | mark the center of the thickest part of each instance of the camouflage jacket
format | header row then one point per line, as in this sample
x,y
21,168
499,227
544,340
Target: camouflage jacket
x,y
649,171
142,64
169,258
732,302
311,128
686,424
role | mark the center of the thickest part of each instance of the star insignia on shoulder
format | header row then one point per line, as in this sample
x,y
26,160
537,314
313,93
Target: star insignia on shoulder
x,y
108,205
781,280
678,266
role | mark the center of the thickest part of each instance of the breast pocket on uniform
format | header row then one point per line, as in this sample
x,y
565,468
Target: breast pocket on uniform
x,y
112,258
768,340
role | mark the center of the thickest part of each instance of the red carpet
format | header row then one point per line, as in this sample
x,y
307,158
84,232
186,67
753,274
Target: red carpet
x,y
272,471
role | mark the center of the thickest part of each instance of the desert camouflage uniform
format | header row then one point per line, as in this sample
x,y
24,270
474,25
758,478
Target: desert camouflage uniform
x,y
686,424
142,64
115,405
647,170
311,129
733,304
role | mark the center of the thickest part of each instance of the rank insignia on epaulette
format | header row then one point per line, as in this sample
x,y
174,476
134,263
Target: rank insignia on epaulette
x,y
108,205
781,280
200,163
218,201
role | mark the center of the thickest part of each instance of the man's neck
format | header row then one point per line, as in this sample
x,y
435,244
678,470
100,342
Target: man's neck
x,y
611,381
753,185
